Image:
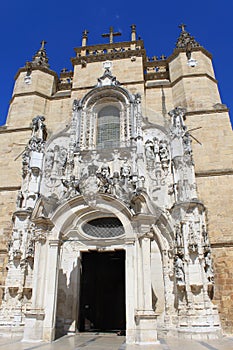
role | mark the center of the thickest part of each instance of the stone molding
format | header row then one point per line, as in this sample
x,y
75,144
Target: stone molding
x,y
214,172
9,130
177,51
42,69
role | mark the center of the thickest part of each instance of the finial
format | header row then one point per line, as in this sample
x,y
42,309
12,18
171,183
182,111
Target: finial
x,y
133,32
85,37
43,42
111,35
185,40
40,58
182,26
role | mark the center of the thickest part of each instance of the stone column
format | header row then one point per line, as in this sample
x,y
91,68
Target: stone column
x,y
34,316
145,317
147,271
130,290
51,290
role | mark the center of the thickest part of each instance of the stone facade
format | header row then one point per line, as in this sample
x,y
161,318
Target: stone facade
x,y
123,154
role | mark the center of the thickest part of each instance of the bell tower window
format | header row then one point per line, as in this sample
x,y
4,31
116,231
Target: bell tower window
x,y
108,127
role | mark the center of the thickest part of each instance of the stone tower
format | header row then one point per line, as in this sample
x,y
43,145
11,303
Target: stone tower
x,y
110,171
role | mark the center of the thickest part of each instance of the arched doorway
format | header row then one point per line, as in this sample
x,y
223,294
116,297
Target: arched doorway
x,y
91,288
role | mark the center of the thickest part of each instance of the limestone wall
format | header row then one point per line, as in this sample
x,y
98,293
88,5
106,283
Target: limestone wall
x,y
125,71
12,144
223,291
42,82
216,192
215,135
7,207
178,66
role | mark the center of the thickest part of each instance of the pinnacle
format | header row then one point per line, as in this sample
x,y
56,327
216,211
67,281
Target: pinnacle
x,y
185,40
40,59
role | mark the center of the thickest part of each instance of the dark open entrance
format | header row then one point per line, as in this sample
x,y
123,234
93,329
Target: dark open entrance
x,y
102,300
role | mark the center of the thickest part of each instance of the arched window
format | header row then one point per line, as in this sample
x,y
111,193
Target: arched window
x,y
105,227
108,127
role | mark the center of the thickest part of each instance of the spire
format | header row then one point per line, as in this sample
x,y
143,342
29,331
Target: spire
x,y
40,59
185,40
133,32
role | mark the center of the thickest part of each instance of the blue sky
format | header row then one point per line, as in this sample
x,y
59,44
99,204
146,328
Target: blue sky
x,y
23,24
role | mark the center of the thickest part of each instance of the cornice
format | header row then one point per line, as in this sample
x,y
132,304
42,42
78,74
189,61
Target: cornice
x,y
208,111
42,69
222,244
165,75
176,52
113,52
31,93
196,75
6,130
36,93
214,172
156,76
110,46
107,56
10,188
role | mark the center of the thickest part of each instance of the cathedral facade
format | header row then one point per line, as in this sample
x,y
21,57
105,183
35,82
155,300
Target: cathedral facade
x,y
114,199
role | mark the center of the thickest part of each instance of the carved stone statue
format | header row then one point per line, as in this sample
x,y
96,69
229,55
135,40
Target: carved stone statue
x,y
149,150
164,154
208,267
125,169
20,198
16,239
72,187
178,130
179,237
116,189
75,105
39,128
104,180
179,270
205,236
156,150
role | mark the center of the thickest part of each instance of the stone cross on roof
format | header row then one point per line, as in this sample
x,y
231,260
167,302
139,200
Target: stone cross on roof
x,y
43,42
110,35
85,37
182,26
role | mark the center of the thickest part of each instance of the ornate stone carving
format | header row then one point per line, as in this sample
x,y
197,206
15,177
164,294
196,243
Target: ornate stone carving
x,y
158,160
179,271
185,40
104,179
208,267
181,155
40,59
76,105
39,128
107,78
15,251
72,187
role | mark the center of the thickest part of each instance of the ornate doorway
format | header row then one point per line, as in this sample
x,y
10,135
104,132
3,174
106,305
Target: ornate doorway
x,y
102,300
